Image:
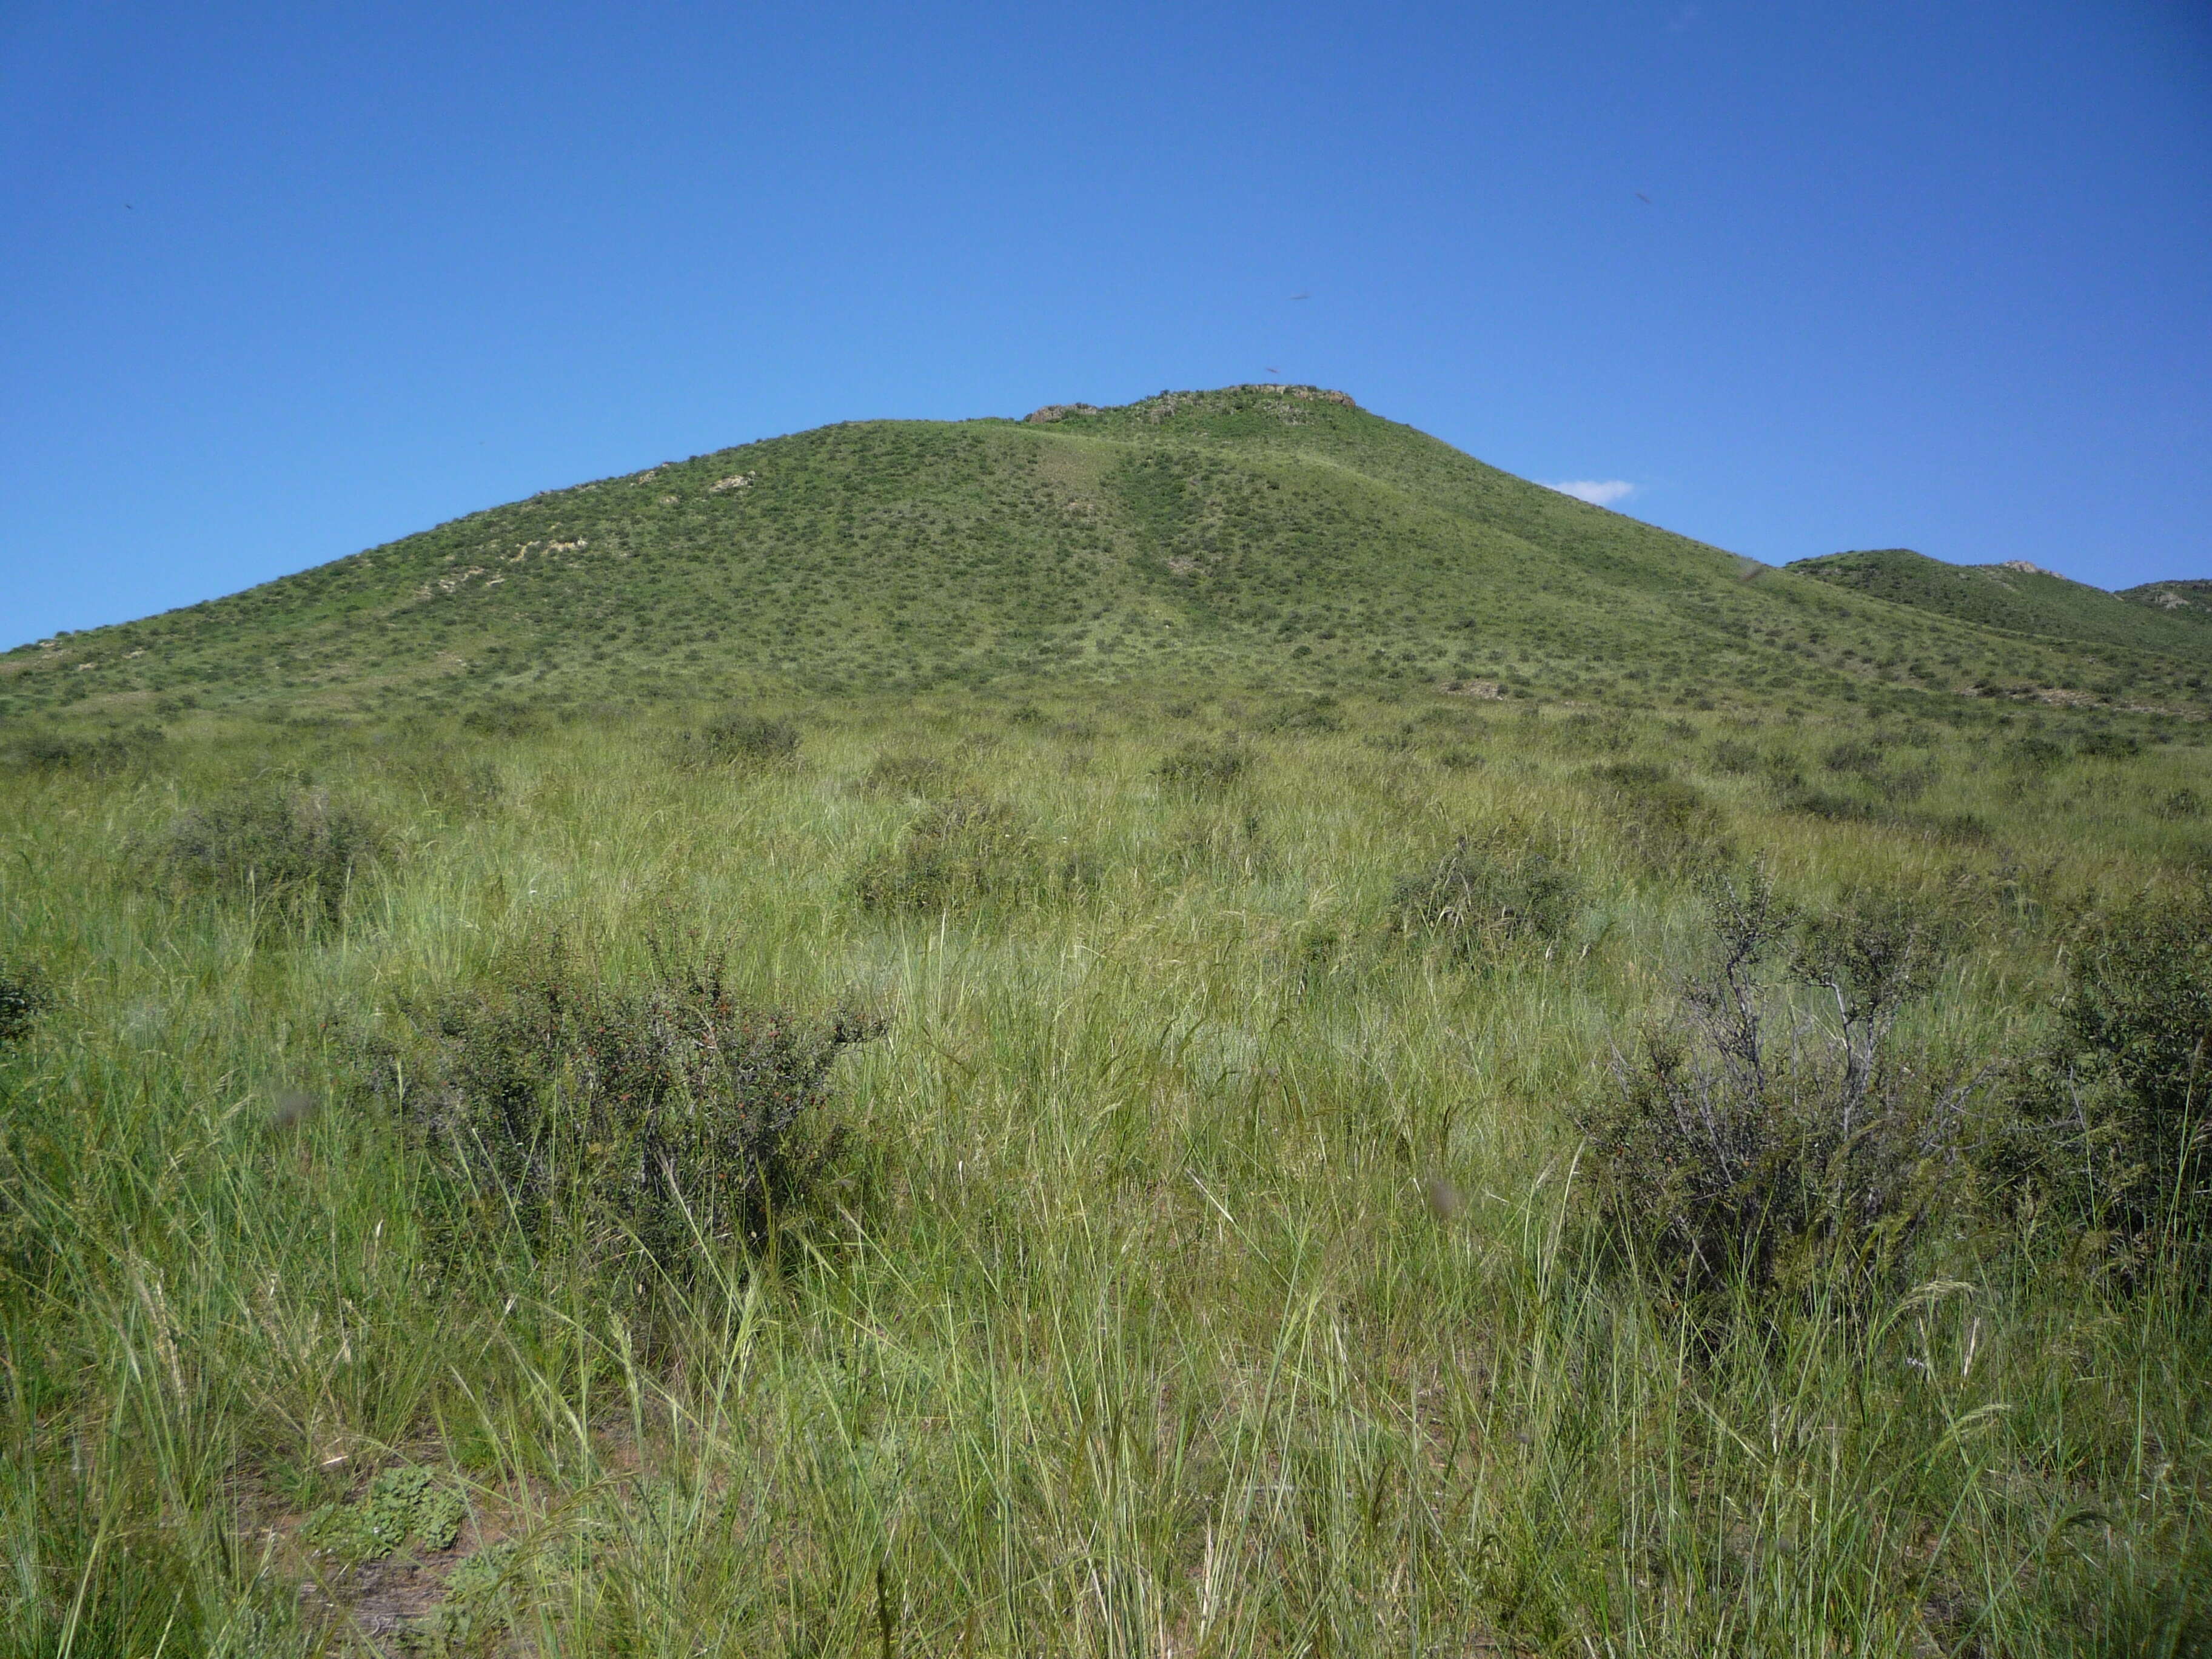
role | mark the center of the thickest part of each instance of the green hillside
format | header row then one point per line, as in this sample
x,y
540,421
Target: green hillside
x,y
2019,599
1661,1116
1275,535
2187,601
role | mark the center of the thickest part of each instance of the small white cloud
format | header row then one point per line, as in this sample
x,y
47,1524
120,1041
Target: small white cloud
x,y
1598,492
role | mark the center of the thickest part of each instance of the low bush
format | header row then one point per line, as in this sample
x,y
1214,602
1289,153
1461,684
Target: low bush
x,y
57,751
1506,887
1201,768
1733,757
2181,804
1665,822
2111,1124
1756,1141
963,853
23,997
1312,714
739,739
608,1122
2107,745
301,850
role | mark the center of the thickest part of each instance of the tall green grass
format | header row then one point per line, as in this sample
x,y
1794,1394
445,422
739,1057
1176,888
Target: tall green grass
x,y
1212,1269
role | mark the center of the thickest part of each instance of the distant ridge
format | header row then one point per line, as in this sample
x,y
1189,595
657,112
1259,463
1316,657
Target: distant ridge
x,y
2021,598
1271,537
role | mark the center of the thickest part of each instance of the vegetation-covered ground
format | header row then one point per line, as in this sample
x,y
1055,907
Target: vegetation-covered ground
x,y
1200,1029
1275,537
1140,1170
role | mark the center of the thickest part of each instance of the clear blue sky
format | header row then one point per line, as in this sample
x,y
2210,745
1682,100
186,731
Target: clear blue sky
x,y
278,283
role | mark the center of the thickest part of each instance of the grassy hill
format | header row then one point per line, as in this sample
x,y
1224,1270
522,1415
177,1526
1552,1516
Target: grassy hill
x,y
2130,633
1111,1106
1269,535
2189,600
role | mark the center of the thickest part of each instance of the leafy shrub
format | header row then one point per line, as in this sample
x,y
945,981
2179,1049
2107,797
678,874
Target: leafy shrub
x,y
1486,894
1313,714
2035,754
2112,1123
609,1121
1733,757
301,849
502,717
1748,1141
1864,759
737,738
1666,822
23,997
2107,745
55,751
400,1504
959,853
2181,804
1202,768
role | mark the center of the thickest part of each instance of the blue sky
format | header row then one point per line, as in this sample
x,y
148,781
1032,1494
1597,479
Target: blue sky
x,y
278,283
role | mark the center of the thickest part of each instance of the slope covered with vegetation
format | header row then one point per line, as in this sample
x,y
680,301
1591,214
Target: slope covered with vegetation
x,y
2019,600
1272,534
1100,1132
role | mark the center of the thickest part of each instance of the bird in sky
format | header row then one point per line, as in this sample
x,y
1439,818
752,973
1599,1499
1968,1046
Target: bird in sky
x,y
1302,297
1642,198
1272,369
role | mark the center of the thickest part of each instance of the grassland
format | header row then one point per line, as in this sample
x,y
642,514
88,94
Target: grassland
x,y
1212,1266
1107,1105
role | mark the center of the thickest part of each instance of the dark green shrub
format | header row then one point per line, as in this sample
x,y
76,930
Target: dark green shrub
x,y
961,855
737,738
1506,888
1753,1142
2107,745
1850,756
1665,822
1203,768
23,997
2035,754
2181,804
1313,714
56,751
2110,1123
1732,757
608,1122
299,849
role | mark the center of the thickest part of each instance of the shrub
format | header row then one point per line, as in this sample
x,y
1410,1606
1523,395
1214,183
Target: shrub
x,y
298,848
2181,804
1202,768
56,751
1748,1142
23,997
2107,745
1319,714
1733,757
959,853
1665,822
609,1122
1486,894
737,738
2035,754
2109,1122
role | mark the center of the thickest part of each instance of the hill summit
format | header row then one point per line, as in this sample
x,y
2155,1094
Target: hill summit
x,y
1269,535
